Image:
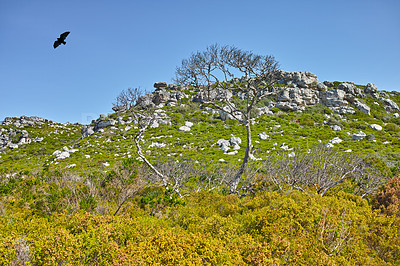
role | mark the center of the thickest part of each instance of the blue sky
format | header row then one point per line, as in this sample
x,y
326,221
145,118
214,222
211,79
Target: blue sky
x,y
115,45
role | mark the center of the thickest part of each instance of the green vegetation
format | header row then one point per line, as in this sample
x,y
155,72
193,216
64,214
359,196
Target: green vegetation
x,y
102,205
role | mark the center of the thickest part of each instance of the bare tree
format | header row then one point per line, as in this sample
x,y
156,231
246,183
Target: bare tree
x,y
215,72
323,169
144,118
127,99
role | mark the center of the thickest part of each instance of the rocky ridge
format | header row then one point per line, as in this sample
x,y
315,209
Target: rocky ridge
x,y
295,92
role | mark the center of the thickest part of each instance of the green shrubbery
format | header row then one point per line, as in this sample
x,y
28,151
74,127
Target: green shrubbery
x,y
267,228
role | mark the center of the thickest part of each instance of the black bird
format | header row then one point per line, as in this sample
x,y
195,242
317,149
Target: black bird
x,y
61,39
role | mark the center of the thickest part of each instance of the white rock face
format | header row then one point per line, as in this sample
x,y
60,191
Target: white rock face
x,y
376,127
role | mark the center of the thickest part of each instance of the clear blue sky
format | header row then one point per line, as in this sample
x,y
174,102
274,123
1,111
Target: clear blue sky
x,y
120,44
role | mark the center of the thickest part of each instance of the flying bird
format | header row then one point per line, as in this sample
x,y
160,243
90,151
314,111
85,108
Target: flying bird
x,y
61,39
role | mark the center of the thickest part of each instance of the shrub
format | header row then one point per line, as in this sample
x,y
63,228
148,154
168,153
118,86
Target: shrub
x,y
392,127
388,198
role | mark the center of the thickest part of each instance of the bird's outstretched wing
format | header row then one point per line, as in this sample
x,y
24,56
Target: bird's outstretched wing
x,y
56,44
64,35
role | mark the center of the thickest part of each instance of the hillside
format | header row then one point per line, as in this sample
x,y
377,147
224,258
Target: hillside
x,y
81,194
300,113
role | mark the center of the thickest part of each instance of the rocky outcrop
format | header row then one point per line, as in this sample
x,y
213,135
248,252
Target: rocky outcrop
x,y
297,79
295,92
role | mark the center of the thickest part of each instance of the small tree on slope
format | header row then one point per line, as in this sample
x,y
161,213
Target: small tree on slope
x,y
215,73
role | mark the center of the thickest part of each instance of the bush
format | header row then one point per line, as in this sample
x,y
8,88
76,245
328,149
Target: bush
x,y
392,127
388,198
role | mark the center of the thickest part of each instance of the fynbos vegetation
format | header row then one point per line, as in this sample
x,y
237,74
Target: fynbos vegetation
x,y
239,163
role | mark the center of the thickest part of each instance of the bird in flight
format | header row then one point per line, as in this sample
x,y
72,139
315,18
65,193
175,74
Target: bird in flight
x,y
61,39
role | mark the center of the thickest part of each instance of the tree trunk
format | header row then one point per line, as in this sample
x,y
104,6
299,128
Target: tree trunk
x,y
238,176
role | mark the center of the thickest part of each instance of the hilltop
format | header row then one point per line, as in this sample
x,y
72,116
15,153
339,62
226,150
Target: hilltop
x,y
300,112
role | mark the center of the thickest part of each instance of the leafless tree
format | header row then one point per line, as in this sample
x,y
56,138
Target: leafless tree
x,y
128,98
323,169
144,118
215,73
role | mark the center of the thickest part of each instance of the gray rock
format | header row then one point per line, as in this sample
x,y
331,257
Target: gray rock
x,y
376,127
145,101
13,146
344,110
87,131
370,88
103,124
287,106
391,104
329,145
362,107
157,145
161,84
336,128
263,136
350,88
321,86
188,124
359,136
161,96
120,108
224,115
336,140
155,124
334,98
235,141
224,145
328,84
184,128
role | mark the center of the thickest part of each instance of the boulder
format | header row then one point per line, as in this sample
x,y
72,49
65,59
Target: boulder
x,y
334,98
370,88
224,145
391,105
145,101
161,96
263,136
235,141
329,145
224,114
87,131
350,88
184,128
376,127
103,124
120,108
359,136
336,128
336,140
287,106
362,107
188,124
161,84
